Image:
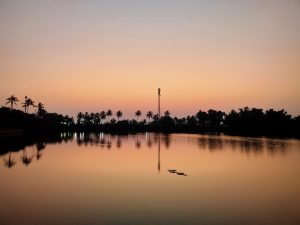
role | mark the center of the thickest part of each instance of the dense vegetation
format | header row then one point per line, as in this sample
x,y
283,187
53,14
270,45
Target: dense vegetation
x,y
246,121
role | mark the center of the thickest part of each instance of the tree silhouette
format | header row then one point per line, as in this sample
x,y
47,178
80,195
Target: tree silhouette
x,y
249,121
108,114
149,115
27,103
30,103
102,115
201,117
119,114
113,121
167,113
41,112
68,120
155,118
215,118
79,117
12,100
97,118
92,118
138,113
87,118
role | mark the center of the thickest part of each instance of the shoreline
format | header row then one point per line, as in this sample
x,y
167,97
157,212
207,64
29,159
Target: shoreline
x,y
19,133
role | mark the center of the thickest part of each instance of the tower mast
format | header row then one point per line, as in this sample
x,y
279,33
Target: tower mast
x,y
159,103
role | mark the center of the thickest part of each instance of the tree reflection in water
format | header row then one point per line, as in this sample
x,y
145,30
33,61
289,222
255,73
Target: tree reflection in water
x,y
10,162
243,144
211,143
25,159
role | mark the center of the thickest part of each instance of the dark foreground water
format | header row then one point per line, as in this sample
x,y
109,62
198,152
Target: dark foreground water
x,y
104,179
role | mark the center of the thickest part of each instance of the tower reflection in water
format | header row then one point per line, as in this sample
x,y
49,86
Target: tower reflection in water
x,y
19,148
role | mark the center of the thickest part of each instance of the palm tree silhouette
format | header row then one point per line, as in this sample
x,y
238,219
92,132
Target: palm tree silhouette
x,y
138,113
79,117
9,162
87,118
92,118
155,117
108,114
149,115
119,114
102,115
41,110
97,118
24,104
167,113
27,103
30,102
12,100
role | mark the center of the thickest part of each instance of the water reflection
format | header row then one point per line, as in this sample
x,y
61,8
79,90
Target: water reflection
x,y
40,146
157,178
243,144
25,158
10,162
148,140
158,161
24,144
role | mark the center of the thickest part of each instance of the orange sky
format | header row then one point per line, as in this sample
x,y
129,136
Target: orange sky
x,y
91,56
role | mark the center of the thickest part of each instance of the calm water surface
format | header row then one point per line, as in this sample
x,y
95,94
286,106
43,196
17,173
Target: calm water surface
x,y
110,179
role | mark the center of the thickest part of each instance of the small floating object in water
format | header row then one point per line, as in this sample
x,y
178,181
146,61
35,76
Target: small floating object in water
x,y
177,172
181,174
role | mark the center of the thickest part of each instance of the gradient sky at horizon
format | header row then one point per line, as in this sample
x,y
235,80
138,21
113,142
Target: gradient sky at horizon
x,y
93,55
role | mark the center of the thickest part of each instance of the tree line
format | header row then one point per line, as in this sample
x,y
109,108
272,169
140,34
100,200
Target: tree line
x,y
31,121
252,121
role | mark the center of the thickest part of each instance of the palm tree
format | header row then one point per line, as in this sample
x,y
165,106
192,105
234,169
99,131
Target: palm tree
x,y
79,117
138,113
97,118
27,103
30,103
108,114
149,115
24,104
12,100
41,110
92,118
86,118
102,115
155,118
119,114
167,113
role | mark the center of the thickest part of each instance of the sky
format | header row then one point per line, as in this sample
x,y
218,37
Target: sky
x,y
97,55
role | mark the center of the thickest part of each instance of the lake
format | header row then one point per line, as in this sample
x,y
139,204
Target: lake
x,y
150,178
